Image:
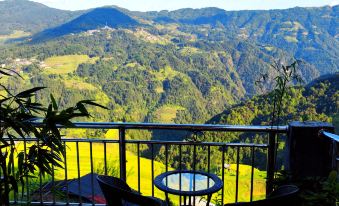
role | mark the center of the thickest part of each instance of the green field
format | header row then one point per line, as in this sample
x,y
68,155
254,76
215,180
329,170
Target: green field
x,y
15,35
66,64
292,39
145,171
74,83
165,73
167,113
187,51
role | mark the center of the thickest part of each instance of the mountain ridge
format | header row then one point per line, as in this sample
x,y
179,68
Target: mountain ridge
x,y
93,19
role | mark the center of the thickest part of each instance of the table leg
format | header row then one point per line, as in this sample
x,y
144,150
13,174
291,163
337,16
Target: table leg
x,y
167,199
208,199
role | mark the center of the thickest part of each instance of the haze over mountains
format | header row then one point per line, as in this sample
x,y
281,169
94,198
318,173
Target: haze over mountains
x,y
30,16
180,66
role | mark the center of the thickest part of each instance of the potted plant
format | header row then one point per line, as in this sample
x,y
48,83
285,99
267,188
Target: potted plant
x,y
313,190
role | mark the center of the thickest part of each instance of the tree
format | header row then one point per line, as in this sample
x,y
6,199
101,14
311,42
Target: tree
x,y
21,117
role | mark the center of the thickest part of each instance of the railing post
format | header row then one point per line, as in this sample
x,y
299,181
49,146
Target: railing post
x,y
122,153
270,162
308,153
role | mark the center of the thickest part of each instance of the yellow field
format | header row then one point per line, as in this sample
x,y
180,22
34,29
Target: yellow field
x,y
145,171
66,64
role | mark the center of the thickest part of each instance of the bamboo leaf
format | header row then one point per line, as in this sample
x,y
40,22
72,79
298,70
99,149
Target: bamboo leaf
x,y
12,71
91,102
55,106
5,73
29,92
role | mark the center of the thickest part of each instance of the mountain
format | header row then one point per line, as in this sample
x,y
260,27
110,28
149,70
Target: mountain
x,y
306,33
30,16
182,66
317,101
94,19
309,34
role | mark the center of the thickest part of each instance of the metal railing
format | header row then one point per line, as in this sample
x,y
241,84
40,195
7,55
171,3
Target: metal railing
x,y
122,143
334,148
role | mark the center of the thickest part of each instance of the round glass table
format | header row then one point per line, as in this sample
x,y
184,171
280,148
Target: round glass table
x,y
188,184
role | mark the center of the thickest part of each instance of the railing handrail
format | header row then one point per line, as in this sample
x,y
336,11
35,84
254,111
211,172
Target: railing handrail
x,y
334,150
329,135
193,127
162,142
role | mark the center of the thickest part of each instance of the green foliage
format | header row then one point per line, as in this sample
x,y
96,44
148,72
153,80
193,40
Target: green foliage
x,y
322,192
18,116
111,168
298,104
284,78
314,190
218,199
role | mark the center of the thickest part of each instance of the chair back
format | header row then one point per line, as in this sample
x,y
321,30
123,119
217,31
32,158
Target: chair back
x,y
117,193
111,187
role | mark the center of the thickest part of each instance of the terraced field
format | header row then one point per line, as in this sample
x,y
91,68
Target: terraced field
x,y
66,64
167,113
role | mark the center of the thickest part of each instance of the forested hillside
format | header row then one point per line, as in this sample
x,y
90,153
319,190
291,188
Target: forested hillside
x,y
306,33
318,101
183,66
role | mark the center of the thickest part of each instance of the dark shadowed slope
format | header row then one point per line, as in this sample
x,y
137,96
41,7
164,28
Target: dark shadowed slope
x,y
94,19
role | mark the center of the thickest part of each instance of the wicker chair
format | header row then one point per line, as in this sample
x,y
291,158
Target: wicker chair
x,y
118,193
286,195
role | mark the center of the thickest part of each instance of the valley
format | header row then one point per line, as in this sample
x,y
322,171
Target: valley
x,y
187,66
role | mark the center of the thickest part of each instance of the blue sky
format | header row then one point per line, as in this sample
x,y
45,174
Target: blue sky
x,y
156,5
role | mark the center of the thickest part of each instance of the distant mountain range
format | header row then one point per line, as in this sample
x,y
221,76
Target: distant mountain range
x,y
179,66
305,33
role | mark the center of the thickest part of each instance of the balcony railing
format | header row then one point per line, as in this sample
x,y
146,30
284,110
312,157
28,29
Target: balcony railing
x,y
334,148
191,147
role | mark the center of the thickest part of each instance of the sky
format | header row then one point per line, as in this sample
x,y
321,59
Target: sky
x,y
157,5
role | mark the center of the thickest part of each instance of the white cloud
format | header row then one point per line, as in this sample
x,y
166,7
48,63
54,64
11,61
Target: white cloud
x,y
334,3
147,5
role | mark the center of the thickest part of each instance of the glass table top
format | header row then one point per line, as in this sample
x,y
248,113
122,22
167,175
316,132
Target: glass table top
x,y
188,182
